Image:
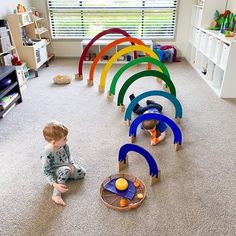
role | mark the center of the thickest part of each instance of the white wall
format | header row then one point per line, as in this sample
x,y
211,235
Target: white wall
x,y
72,48
232,5
8,6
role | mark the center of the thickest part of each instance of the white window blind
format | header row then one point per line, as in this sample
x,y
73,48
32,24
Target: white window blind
x,y
149,19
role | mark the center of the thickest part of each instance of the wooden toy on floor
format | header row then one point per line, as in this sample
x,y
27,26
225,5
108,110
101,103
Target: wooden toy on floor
x,y
62,79
170,97
160,67
79,75
122,200
154,116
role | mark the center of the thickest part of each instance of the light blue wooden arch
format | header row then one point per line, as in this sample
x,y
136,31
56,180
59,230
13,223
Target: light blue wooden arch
x,y
172,98
154,116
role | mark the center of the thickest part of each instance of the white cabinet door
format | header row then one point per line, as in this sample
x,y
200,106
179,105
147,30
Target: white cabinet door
x,y
40,52
43,51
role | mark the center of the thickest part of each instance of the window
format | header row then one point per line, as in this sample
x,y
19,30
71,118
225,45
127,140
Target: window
x,y
143,19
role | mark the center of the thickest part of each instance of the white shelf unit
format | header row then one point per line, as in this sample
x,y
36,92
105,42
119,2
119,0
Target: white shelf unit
x,y
22,26
42,32
210,53
100,44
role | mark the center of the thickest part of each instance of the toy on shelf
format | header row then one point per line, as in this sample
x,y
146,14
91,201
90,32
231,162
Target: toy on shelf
x,y
154,116
170,97
224,22
106,48
15,60
20,8
79,75
62,79
160,67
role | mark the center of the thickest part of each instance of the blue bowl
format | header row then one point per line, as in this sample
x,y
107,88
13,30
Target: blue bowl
x,y
5,82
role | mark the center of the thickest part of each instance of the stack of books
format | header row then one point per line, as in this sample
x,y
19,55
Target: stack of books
x,y
5,101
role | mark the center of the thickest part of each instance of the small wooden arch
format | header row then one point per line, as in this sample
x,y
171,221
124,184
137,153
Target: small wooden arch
x,y
123,162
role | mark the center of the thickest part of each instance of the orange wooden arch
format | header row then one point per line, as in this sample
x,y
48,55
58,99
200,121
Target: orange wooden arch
x,y
109,46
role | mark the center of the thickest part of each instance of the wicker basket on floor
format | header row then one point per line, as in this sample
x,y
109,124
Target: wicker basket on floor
x,y
112,200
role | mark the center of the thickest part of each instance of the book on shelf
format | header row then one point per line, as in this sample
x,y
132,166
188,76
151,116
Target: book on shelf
x,y
5,101
5,42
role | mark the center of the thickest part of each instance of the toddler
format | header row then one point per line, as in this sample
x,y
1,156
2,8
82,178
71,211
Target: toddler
x,y
57,163
156,128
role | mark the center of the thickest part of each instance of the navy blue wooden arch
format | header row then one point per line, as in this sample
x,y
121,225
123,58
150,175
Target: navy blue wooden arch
x,y
153,169
155,116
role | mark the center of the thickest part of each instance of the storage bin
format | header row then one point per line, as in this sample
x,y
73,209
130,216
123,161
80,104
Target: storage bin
x,y
203,42
218,51
211,46
217,77
224,56
210,70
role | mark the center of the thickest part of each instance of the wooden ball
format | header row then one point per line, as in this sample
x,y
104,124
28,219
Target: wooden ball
x,y
121,184
123,202
139,195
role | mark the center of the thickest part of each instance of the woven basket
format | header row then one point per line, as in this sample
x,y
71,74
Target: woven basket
x,y
112,200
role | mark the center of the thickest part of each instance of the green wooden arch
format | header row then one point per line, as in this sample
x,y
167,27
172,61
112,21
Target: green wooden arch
x,y
141,74
152,60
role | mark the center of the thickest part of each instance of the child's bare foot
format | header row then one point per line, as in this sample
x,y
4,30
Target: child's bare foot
x,y
58,200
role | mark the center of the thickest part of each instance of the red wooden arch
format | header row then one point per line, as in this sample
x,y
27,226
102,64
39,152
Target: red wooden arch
x,y
94,39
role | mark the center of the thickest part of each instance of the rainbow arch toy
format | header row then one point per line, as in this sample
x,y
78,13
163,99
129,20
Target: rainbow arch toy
x,y
123,161
170,97
106,48
117,55
139,75
160,66
154,116
79,75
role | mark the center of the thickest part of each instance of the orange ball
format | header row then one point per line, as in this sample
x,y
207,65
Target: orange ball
x,y
123,202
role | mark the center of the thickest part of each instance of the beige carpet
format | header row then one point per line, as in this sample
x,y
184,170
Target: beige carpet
x,y
197,192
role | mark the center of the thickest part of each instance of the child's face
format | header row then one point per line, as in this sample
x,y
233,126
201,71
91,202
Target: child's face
x,y
60,143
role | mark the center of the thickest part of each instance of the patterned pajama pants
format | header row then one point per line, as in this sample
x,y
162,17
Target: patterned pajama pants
x,y
63,174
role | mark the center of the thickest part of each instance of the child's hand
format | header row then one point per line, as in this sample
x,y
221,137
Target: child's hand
x,y
60,187
71,169
154,141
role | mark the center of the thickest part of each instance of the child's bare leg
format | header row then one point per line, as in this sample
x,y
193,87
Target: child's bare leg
x,y
63,174
58,200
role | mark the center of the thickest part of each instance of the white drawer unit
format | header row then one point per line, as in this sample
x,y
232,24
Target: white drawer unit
x,y
210,53
213,55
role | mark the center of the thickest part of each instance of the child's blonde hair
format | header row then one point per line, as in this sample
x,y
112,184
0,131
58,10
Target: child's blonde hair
x,y
54,131
149,124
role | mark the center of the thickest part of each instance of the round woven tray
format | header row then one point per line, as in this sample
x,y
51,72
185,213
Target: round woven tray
x,y
112,200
